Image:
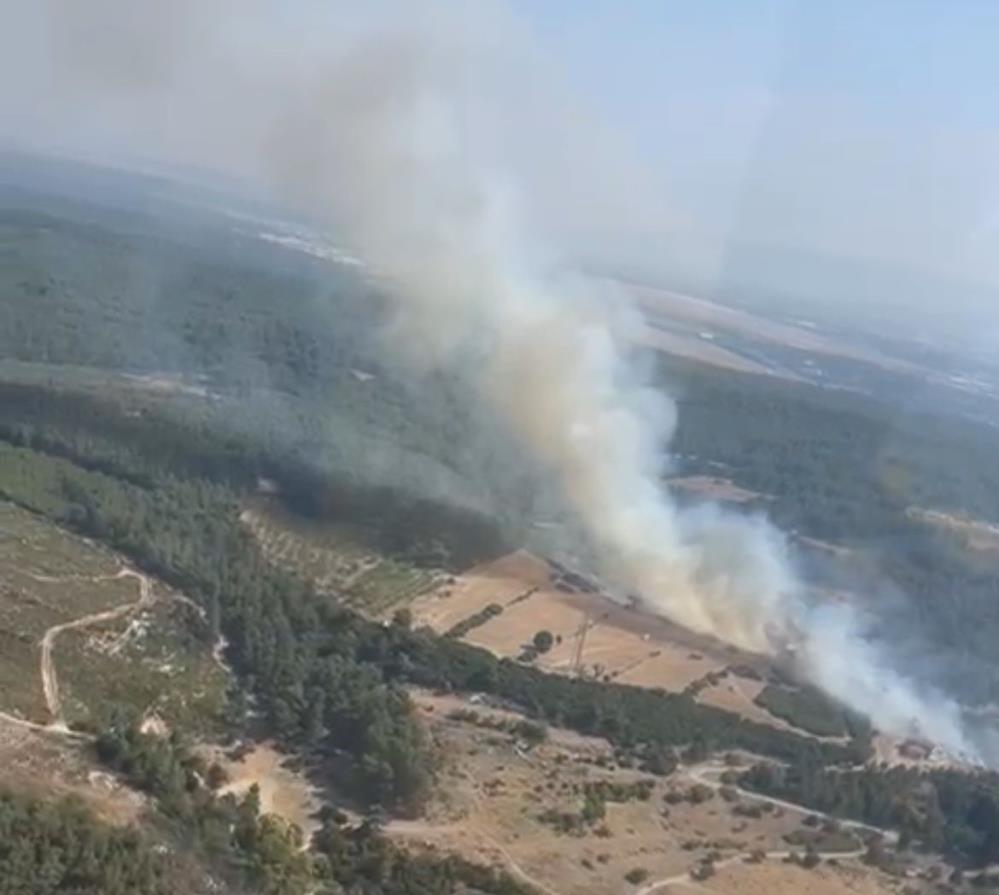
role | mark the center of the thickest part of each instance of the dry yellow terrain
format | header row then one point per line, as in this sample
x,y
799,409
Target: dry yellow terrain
x,y
619,643
46,763
494,790
283,790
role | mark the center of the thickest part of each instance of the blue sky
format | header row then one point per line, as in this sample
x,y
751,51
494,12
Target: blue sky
x,y
868,129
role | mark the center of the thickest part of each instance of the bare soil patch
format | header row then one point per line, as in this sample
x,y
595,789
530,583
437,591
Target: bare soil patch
x,y
704,314
47,765
611,641
284,791
695,348
777,878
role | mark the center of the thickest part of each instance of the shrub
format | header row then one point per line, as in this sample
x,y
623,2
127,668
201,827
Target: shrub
x,y
637,875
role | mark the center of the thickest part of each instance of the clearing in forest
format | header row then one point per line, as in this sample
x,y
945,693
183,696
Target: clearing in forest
x,y
80,631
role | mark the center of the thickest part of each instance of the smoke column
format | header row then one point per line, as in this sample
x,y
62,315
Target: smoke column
x,y
471,187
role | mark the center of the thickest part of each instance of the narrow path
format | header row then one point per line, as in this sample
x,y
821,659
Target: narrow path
x,y
709,772
50,681
34,726
685,879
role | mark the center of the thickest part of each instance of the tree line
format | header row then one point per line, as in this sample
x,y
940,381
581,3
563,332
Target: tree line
x,y
325,676
949,811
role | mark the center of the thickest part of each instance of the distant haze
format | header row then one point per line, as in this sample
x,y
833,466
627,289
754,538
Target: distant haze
x,y
861,136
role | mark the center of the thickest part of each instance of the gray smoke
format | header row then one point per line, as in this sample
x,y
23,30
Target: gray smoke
x,y
442,153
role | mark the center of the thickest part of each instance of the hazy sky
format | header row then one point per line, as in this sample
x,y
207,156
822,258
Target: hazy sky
x,y
864,129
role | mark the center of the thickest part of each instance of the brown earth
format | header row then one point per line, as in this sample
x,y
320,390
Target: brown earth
x,y
692,347
493,791
618,642
777,878
46,764
283,790
704,314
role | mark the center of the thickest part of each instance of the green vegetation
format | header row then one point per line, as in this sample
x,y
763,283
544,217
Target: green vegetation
x,y
162,475
390,582
358,858
59,847
949,811
846,468
255,850
636,876
530,732
79,300
543,641
152,659
260,851
157,662
839,465
595,795
829,838
810,709
325,676
456,632
613,791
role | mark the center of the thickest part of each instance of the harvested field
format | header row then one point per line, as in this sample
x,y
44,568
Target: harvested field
x,y
736,695
503,581
619,643
700,313
691,347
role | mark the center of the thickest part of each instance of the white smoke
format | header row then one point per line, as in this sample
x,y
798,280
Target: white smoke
x,y
440,151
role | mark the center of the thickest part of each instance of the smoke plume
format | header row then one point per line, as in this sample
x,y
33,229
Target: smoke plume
x,y
447,157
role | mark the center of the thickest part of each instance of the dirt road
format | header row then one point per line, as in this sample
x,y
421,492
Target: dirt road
x,y
7,718
50,681
709,773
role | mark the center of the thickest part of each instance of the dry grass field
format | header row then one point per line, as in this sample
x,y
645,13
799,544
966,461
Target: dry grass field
x,y
495,795
45,764
284,791
704,315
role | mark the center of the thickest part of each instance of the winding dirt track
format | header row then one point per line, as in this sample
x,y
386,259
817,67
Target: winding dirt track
x,y
50,681
708,774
